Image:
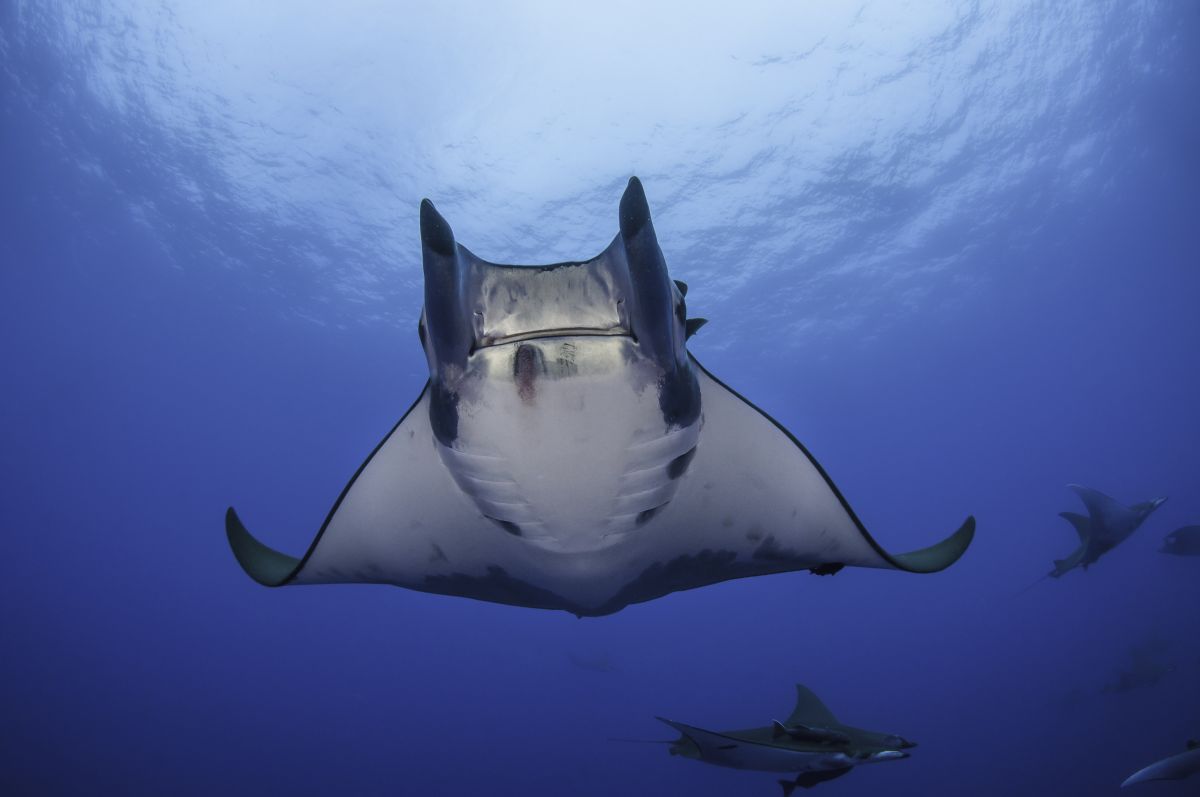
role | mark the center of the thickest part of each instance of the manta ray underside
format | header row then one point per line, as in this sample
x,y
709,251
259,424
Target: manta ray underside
x,y
569,453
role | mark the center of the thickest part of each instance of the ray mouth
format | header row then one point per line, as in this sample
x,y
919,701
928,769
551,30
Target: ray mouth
x,y
554,332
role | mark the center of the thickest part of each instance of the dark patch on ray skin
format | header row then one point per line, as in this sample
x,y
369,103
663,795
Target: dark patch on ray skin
x,y
645,515
679,396
769,550
528,364
443,413
507,525
365,575
372,573
687,571
438,554
683,572
679,465
827,569
499,587
726,522
564,363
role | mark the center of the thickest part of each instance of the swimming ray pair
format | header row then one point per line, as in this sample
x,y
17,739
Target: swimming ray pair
x,y
568,452
811,742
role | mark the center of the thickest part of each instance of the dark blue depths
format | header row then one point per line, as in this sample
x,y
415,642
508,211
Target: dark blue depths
x,y
139,400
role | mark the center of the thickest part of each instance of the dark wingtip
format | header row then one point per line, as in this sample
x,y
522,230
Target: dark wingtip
x,y
939,556
635,210
265,565
436,234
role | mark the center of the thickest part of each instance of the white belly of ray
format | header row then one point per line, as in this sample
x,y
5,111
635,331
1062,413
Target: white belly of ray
x,y
568,462
572,456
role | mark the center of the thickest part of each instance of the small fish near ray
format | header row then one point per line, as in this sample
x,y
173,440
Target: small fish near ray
x,y
1177,767
1108,523
568,452
811,742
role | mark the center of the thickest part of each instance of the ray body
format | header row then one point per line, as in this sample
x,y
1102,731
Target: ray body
x,y
1107,524
1184,541
1176,767
1148,666
568,452
824,747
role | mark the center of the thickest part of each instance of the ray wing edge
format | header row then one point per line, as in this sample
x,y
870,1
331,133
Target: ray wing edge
x,y
270,567
931,559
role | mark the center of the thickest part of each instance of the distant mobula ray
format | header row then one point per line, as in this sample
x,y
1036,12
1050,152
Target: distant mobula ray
x,y
1107,524
568,452
811,742
1148,665
1176,767
1183,541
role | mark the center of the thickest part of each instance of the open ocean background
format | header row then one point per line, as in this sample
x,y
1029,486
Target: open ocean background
x,y
953,246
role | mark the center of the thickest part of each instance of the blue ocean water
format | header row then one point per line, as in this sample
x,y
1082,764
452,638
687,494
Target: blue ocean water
x,y
951,246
